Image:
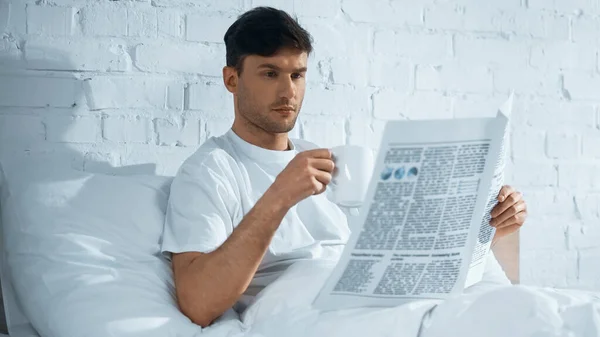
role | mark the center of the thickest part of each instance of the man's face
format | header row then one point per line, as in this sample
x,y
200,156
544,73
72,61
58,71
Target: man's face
x,y
270,90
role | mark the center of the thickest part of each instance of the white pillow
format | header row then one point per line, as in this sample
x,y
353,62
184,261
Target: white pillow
x,y
83,251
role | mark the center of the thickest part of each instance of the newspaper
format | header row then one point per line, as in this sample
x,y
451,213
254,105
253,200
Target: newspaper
x,y
423,231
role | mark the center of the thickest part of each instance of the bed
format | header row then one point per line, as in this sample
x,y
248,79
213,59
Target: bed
x,y
83,260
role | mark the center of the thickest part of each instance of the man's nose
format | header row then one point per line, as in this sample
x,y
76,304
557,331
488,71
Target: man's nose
x,y
287,89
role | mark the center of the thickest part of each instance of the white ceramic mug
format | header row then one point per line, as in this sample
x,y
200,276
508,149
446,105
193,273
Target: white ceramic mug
x,y
353,170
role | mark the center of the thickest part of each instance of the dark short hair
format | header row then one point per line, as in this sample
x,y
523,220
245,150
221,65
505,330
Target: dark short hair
x,y
264,31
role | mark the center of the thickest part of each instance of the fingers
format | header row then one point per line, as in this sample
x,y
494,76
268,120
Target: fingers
x,y
326,165
505,191
515,220
508,212
322,177
509,201
318,153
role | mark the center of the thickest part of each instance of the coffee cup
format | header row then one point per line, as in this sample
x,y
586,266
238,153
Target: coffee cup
x,y
352,173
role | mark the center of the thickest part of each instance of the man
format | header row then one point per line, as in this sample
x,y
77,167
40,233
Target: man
x,y
249,203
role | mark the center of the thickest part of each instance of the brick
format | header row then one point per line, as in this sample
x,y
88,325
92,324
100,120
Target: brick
x,y
365,132
175,97
217,126
77,55
397,13
228,6
181,58
589,276
569,7
336,39
582,86
21,129
336,101
446,16
563,55
528,144
387,72
588,206
474,79
178,132
351,70
580,176
324,131
553,206
586,30
527,81
285,5
554,233
591,146
42,20
50,92
170,23
320,71
210,98
73,129
456,16
418,47
548,267
10,50
529,173
106,19
206,28
555,115
329,40
396,104
511,5
523,22
14,18
584,235
469,106
142,21
128,92
563,145
317,8
479,18
487,51
130,129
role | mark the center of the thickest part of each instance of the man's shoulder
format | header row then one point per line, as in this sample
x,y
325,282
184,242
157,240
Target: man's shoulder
x,y
213,154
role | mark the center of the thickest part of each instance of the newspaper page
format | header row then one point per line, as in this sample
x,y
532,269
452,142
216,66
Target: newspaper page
x,y
421,222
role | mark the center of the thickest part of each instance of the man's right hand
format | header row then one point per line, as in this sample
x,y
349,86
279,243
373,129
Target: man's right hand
x,y
307,174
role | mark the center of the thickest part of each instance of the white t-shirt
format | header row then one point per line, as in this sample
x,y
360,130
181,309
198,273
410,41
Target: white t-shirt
x,y
221,182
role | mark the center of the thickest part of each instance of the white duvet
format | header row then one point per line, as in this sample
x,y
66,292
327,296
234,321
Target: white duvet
x,y
284,309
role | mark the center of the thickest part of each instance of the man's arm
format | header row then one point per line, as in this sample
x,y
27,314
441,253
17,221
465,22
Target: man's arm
x,y
209,284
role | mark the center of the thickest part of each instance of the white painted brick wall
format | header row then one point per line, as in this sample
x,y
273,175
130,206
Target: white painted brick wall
x,y
121,83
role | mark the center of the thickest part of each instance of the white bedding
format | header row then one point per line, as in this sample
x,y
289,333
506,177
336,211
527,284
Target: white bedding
x,y
85,261
483,310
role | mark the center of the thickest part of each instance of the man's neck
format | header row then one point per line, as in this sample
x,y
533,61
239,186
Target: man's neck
x,y
261,138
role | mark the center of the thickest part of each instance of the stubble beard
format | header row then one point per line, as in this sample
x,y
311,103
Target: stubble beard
x,y
252,114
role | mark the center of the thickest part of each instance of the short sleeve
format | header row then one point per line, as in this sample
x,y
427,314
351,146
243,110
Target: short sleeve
x,y
200,207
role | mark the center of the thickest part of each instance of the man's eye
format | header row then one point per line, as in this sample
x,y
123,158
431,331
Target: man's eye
x,y
297,76
270,74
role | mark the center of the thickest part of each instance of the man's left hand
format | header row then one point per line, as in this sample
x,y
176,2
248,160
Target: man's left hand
x,y
510,212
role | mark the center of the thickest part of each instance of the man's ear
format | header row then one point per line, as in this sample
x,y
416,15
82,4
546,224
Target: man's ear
x,y
230,79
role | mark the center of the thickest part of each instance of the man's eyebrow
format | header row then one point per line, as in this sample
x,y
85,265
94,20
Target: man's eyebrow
x,y
274,67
